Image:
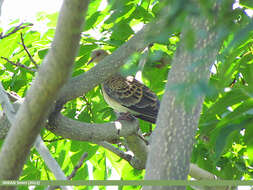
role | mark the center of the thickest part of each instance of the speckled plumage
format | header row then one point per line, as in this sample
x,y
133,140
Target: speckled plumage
x,y
127,95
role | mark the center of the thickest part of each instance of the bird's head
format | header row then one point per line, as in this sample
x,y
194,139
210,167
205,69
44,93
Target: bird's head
x,y
97,55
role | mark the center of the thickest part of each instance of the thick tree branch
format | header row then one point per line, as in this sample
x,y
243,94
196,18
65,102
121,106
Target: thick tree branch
x,y
52,75
4,125
139,148
92,132
173,137
1,3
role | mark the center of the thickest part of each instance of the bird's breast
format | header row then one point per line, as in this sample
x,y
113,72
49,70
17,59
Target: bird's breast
x,y
114,104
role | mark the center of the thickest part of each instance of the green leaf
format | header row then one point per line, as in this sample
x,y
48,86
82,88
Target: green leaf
x,y
129,173
99,166
53,19
223,137
131,67
92,20
158,7
246,3
93,7
42,53
227,99
81,147
240,36
121,31
142,14
120,12
82,173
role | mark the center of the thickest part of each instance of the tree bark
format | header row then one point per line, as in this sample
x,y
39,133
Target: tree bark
x,y
52,75
1,4
173,137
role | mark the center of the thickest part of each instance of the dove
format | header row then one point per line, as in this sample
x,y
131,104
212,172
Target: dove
x,y
126,95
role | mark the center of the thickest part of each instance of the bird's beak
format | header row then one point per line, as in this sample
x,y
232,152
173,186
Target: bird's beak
x,y
90,61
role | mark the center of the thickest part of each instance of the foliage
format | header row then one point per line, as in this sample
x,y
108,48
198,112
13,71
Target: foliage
x,y
223,146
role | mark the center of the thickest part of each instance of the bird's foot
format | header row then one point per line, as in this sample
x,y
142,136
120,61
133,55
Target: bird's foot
x,y
125,116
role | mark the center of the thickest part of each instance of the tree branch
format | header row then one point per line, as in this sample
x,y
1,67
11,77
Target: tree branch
x,y
173,137
132,160
4,125
76,130
49,160
139,148
52,75
53,140
27,52
79,165
18,64
6,104
115,150
1,3
142,62
17,28
200,174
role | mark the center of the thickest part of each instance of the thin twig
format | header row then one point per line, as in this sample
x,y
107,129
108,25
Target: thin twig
x,y
88,105
80,163
18,64
132,160
141,64
17,28
231,85
118,152
26,50
53,140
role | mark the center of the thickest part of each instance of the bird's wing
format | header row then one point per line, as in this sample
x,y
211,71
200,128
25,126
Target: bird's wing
x,y
133,95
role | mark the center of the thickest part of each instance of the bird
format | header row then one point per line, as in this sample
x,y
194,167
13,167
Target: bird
x,y
126,95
